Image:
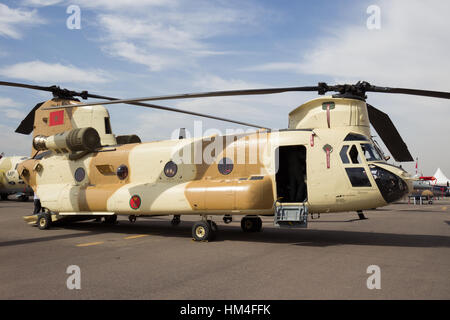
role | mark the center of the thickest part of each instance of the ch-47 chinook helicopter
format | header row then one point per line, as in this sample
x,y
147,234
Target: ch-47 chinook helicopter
x,y
10,182
325,161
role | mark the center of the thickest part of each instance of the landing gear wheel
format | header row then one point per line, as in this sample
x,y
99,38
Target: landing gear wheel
x,y
111,219
44,221
23,198
202,231
251,224
258,224
227,218
176,220
4,197
132,218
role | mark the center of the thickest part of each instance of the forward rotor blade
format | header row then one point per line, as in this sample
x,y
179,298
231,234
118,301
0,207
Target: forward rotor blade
x,y
203,95
416,92
389,134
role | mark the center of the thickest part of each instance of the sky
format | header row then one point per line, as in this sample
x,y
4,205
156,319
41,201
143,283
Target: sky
x,y
126,49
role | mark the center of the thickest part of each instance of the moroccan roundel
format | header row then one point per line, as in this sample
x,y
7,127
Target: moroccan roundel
x,y
135,202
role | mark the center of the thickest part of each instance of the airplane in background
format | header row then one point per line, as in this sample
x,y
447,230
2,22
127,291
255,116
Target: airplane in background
x,y
10,182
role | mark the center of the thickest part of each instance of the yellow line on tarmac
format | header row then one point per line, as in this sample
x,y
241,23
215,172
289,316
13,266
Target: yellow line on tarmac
x,y
444,208
89,244
135,237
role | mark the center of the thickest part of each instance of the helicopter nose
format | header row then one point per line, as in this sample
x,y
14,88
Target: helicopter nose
x,y
392,187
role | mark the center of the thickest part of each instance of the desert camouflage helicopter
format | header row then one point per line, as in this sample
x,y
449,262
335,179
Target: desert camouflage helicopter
x,y
325,161
10,182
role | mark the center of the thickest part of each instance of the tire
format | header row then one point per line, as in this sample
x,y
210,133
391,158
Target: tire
x,y
247,224
111,219
4,196
258,224
44,221
132,218
202,231
251,224
175,220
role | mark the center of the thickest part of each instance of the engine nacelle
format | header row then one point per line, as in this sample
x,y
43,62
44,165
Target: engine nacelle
x,y
81,139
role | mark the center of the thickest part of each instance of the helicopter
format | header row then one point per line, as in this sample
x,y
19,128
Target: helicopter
x,y
325,161
10,182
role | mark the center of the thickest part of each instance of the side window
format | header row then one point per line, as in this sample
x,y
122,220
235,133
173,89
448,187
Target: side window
x,y
354,155
358,177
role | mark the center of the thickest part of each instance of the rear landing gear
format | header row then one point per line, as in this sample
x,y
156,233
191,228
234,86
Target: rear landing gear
x,y
4,196
132,218
251,224
204,230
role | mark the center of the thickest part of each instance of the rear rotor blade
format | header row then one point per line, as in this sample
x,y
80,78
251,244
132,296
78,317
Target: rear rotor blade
x,y
203,95
389,134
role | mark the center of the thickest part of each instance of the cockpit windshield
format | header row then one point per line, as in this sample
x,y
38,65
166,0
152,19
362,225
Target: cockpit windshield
x,y
370,152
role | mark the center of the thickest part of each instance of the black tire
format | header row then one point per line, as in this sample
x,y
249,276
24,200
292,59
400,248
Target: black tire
x,y
4,196
251,224
23,198
258,224
247,224
175,220
132,218
111,219
202,231
44,221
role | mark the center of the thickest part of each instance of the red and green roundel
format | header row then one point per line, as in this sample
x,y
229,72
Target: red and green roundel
x,y
135,202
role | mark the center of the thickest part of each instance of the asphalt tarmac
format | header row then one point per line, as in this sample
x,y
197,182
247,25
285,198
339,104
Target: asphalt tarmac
x,y
150,259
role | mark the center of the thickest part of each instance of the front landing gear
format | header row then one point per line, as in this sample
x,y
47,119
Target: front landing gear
x,y
44,221
251,224
204,230
361,215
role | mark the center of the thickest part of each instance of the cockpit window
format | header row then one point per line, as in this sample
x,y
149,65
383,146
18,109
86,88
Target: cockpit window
x,y
354,155
343,154
370,152
355,137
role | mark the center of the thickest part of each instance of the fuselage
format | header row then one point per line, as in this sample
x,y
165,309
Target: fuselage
x,y
190,176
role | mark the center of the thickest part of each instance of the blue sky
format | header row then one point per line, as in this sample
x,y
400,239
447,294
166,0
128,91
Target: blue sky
x,y
151,47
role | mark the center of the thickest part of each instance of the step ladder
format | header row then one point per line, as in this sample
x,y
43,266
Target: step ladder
x,y
291,215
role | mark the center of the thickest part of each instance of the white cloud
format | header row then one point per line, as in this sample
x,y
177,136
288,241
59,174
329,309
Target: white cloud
x,y
410,49
41,3
172,34
18,144
130,52
39,71
13,20
122,4
8,109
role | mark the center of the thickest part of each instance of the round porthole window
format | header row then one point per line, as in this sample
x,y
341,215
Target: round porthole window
x,y
80,174
170,169
225,166
122,172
